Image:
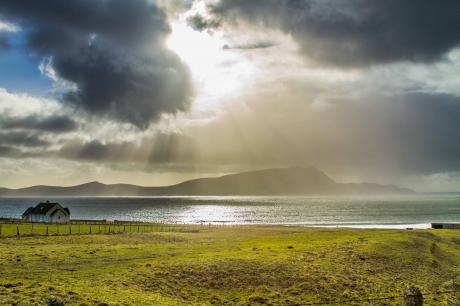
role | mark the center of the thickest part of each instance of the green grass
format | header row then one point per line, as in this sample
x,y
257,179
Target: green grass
x,y
29,229
247,265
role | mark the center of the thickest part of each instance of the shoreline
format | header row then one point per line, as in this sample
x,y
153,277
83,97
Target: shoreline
x,y
349,225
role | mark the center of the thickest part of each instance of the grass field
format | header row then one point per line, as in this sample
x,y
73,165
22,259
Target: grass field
x,y
200,265
30,229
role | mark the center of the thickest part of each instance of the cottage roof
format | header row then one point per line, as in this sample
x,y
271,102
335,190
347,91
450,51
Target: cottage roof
x,y
43,208
28,210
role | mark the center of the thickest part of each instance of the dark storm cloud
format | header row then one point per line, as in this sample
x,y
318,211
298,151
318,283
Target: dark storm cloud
x,y
355,32
23,139
112,50
55,124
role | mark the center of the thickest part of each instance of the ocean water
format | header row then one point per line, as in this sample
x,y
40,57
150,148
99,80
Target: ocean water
x,y
352,211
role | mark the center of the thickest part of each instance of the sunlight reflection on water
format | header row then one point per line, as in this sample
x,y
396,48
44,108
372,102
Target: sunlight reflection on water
x,y
396,212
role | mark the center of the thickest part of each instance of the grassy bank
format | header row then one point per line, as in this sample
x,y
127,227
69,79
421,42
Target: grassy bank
x,y
230,265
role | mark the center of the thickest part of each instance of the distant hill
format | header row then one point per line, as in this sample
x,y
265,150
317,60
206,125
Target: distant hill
x,y
282,181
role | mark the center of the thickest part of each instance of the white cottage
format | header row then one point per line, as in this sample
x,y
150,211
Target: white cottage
x,y
47,212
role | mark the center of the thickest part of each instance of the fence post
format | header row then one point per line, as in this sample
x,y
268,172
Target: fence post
x,y
47,230
70,229
90,229
17,230
413,297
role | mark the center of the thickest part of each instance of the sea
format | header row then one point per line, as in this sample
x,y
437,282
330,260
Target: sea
x,y
414,211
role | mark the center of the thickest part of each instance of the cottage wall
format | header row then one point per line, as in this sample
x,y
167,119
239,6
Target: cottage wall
x,y
59,217
38,218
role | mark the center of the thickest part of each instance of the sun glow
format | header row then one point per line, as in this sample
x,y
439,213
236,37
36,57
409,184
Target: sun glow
x,y
201,51
217,72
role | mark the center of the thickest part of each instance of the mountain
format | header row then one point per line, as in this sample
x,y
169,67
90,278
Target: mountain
x,y
282,181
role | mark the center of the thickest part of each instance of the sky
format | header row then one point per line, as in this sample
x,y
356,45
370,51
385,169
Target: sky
x,y
155,92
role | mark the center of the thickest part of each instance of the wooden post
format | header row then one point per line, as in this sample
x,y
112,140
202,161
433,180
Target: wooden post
x,y
412,297
90,229
47,230
17,230
124,228
32,229
78,229
70,229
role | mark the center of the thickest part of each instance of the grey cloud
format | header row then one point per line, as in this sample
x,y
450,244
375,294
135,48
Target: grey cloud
x,y
97,151
6,151
200,23
112,50
355,33
158,149
54,124
250,46
16,153
21,138
13,152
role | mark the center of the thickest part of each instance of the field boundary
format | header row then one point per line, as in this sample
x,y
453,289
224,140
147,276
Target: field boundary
x,y
20,228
